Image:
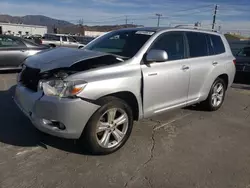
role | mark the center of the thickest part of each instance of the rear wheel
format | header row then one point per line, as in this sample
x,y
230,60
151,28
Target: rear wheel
x,y
109,128
216,95
52,45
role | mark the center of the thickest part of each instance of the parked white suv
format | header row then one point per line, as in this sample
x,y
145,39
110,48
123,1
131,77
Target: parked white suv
x,y
56,40
96,93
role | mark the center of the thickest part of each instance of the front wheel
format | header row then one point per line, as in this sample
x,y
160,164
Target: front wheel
x,y
109,128
216,95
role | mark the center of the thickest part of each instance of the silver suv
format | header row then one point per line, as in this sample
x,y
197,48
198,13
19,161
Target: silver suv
x,y
94,94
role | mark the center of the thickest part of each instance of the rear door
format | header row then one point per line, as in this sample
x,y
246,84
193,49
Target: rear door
x,y
12,51
64,41
204,62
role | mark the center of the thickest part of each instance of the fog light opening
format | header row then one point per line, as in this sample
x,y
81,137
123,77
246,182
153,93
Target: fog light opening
x,y
54,123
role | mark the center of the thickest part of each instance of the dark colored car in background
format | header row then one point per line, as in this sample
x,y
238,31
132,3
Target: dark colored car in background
x,y
14,50
243,60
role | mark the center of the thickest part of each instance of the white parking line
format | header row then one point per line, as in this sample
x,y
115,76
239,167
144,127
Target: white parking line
x,y
27,151
172,121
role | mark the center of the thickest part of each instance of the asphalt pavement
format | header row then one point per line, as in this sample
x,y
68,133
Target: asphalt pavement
x,y
179,149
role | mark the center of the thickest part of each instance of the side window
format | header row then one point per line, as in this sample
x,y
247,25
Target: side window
x,y
245,52
64,38
217,43
71,39
172,43
209,45
6,42
197,44
52,37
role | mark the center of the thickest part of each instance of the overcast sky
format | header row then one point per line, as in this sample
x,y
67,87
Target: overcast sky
x,y
232,14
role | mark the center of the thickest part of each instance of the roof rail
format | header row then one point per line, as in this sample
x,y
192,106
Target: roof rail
x,y
188,26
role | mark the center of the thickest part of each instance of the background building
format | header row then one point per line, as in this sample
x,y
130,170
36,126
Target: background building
x,y
21,29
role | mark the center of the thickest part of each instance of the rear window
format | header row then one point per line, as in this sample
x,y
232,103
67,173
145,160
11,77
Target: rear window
x,y
197,44
217,44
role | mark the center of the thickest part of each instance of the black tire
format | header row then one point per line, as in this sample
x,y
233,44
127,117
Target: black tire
x,y
89,140
207,104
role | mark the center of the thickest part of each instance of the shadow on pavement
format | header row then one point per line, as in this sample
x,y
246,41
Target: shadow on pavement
x,y
17,130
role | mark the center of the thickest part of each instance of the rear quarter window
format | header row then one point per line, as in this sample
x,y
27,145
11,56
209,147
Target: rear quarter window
x,y
217,44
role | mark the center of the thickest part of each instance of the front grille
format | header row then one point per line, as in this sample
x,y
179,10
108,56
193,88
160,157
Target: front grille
x,y
30,78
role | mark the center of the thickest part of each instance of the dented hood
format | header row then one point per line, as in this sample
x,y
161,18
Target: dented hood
x,y
60,57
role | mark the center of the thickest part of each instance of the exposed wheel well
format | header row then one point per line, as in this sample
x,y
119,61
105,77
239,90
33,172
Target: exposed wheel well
x,y
224,77
131,100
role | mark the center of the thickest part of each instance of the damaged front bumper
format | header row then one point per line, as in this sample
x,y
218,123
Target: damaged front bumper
x,y
73,114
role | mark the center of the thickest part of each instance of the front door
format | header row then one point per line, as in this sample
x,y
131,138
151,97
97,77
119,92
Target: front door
x,y
166,84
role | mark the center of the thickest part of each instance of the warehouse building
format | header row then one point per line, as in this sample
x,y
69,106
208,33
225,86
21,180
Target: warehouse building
x,y
22,29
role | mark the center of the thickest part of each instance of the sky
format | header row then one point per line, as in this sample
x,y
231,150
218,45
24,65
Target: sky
x,y
232,15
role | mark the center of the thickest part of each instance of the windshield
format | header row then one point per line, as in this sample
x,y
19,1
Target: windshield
x,y
244,52
121,43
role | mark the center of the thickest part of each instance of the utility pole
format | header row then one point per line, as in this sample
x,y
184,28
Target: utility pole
x,y
159,17
126,21
214,17
81,30
219,28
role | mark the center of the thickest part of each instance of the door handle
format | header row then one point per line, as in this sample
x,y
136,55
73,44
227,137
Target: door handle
x,y
215,63
184,67
23,50
152,74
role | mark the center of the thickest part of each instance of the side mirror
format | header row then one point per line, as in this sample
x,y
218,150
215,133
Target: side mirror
x,y
156,56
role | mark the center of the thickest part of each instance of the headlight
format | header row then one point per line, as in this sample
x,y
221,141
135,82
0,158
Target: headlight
x,y
61,88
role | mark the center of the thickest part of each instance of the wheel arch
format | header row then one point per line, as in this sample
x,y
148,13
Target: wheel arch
x,y
207,86
225,78
130,99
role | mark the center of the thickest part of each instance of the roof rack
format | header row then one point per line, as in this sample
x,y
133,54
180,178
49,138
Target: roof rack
x,y
194,27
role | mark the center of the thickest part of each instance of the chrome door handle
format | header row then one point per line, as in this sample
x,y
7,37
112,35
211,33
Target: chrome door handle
x,y
215,63
184,67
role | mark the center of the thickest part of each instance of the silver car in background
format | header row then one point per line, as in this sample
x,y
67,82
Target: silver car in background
x,y
94,94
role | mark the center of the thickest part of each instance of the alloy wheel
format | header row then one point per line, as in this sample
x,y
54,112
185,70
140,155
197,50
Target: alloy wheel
x,y
112,127
218,94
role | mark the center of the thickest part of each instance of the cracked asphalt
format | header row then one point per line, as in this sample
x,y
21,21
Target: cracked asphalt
x,y
181,148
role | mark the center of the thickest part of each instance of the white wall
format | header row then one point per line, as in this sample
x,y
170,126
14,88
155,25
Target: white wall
x,y
15,28
94,33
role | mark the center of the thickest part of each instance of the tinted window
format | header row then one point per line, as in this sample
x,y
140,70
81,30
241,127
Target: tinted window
x,y
71,39
52,37
209,45
217,43
197,44
123,43
64,39
172,43
6,42
245,52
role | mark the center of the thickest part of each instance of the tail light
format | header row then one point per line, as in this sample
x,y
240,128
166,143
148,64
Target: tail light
x,y
234,61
